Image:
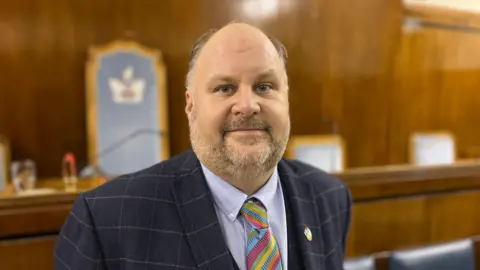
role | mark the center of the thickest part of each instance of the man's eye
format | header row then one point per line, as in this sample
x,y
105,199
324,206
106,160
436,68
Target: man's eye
x,y
226,89
264,87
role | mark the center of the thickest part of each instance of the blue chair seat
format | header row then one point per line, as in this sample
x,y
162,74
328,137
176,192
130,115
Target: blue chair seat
x,y
459,255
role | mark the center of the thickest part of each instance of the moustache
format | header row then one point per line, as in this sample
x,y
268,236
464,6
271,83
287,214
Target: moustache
x,y
251,123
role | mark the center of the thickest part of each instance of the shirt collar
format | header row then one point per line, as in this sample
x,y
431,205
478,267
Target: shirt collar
x,y
229,199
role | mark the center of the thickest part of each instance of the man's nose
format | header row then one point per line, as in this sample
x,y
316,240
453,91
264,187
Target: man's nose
x,y
246,102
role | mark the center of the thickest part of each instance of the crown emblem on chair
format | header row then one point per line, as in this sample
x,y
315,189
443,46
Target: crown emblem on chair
x,y
128,89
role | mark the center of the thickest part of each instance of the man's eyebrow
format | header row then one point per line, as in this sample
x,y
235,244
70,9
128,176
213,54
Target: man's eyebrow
x,y
269,74
222,78
227,78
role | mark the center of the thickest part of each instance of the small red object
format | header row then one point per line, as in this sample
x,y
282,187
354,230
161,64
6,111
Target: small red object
x,y
69,168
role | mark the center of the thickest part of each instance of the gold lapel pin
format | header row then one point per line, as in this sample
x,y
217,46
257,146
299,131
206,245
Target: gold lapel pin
x,y
308,234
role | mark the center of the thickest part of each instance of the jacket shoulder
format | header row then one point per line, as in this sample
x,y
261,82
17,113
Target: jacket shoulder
x,y
145,182
325,188
318,178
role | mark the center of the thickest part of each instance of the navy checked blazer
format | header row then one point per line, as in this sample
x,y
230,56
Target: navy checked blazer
x,y
163,217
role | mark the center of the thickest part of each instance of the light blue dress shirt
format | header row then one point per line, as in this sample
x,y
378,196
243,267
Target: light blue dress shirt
x,y
228,201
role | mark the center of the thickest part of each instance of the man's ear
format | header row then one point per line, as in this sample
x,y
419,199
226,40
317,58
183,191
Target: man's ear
x,y
188,101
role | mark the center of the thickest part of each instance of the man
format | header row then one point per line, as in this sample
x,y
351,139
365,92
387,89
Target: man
x,y
232,202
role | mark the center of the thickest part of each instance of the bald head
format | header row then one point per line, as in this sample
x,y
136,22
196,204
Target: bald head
x,y
233,36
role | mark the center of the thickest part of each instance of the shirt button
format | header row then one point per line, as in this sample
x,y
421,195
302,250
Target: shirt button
x,y
231,215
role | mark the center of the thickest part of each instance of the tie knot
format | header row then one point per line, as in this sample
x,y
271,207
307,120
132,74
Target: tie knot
x,y
255,212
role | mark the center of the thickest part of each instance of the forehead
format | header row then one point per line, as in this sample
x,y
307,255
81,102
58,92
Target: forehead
x,y
238,53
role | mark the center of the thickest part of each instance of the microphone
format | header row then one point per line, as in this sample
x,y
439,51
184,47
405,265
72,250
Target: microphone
x,y
91,170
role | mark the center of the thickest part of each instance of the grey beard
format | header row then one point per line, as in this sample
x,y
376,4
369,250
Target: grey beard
x,y
224,159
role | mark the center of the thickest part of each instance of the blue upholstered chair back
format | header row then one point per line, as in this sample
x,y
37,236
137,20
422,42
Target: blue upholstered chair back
x,y
363,263
457,255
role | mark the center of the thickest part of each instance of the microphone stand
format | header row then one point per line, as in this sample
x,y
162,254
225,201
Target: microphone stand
x,y
95,171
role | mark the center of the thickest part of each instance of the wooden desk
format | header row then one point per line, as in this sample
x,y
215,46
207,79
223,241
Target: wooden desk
x,y
29,225
406,206
394,207
405,180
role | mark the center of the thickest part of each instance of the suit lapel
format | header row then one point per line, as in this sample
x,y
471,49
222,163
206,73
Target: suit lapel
x,y
305,216
199,219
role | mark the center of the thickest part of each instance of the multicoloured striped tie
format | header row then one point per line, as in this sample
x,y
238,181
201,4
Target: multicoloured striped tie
x,y
262,249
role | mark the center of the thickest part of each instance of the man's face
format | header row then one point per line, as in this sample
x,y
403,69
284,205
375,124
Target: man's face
x,y
237,105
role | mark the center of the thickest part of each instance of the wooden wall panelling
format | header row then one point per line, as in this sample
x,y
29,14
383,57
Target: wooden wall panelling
x,y
45,52
352,70
436,81
361,53
340,55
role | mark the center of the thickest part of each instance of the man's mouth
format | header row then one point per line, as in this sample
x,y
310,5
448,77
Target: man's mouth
x,y
246,129
256,127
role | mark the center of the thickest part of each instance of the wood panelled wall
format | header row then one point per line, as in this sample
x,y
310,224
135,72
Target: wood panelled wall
x,y
436,83
344,70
